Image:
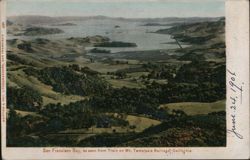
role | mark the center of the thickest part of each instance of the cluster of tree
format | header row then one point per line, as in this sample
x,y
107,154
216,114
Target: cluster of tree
x,y
202,71
146,100
116,44
160,71
83,70
68,81
187,92
55,117
18,129
26,46
36,31
18,59
118,74
76,116
163,74
156,71
25,99
97,50
129,100
180,130
114,61
134,69
106,121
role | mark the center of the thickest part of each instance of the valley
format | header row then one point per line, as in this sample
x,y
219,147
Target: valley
x,y
126,86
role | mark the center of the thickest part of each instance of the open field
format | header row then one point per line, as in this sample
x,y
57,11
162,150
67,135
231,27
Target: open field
x,y
25,113
195,108
141,123
125,83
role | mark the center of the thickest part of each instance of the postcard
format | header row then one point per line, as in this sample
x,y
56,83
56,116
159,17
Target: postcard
x,y
124,79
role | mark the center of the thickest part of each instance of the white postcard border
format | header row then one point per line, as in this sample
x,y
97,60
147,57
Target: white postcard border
x,y
237,51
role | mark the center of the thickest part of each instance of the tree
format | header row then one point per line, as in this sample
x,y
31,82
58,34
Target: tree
x,y
14,125
25,99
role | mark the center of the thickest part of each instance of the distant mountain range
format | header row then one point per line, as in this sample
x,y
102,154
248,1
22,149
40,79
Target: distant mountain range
x,y
52,20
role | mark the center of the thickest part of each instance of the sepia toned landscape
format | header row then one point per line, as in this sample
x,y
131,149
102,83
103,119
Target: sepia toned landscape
x,y
100,81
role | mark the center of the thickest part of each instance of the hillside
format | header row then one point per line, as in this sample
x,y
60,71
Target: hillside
x,y
36,31
62,94
53,20
197,33
195,108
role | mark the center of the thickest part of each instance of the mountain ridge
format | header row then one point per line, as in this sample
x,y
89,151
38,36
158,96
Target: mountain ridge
x,y
37,19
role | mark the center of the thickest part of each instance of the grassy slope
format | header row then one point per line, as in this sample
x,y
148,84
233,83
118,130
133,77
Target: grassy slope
x,y
141,124
41,58
207,40
26,113
124,83
195,108
46,53
20,79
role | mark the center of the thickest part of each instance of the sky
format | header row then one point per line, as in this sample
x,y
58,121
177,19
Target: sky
x,y
118,8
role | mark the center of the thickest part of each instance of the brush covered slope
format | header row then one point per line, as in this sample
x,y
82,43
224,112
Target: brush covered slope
x,y
61,95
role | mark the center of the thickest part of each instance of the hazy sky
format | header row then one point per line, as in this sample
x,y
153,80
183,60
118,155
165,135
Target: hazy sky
x,y
118,8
